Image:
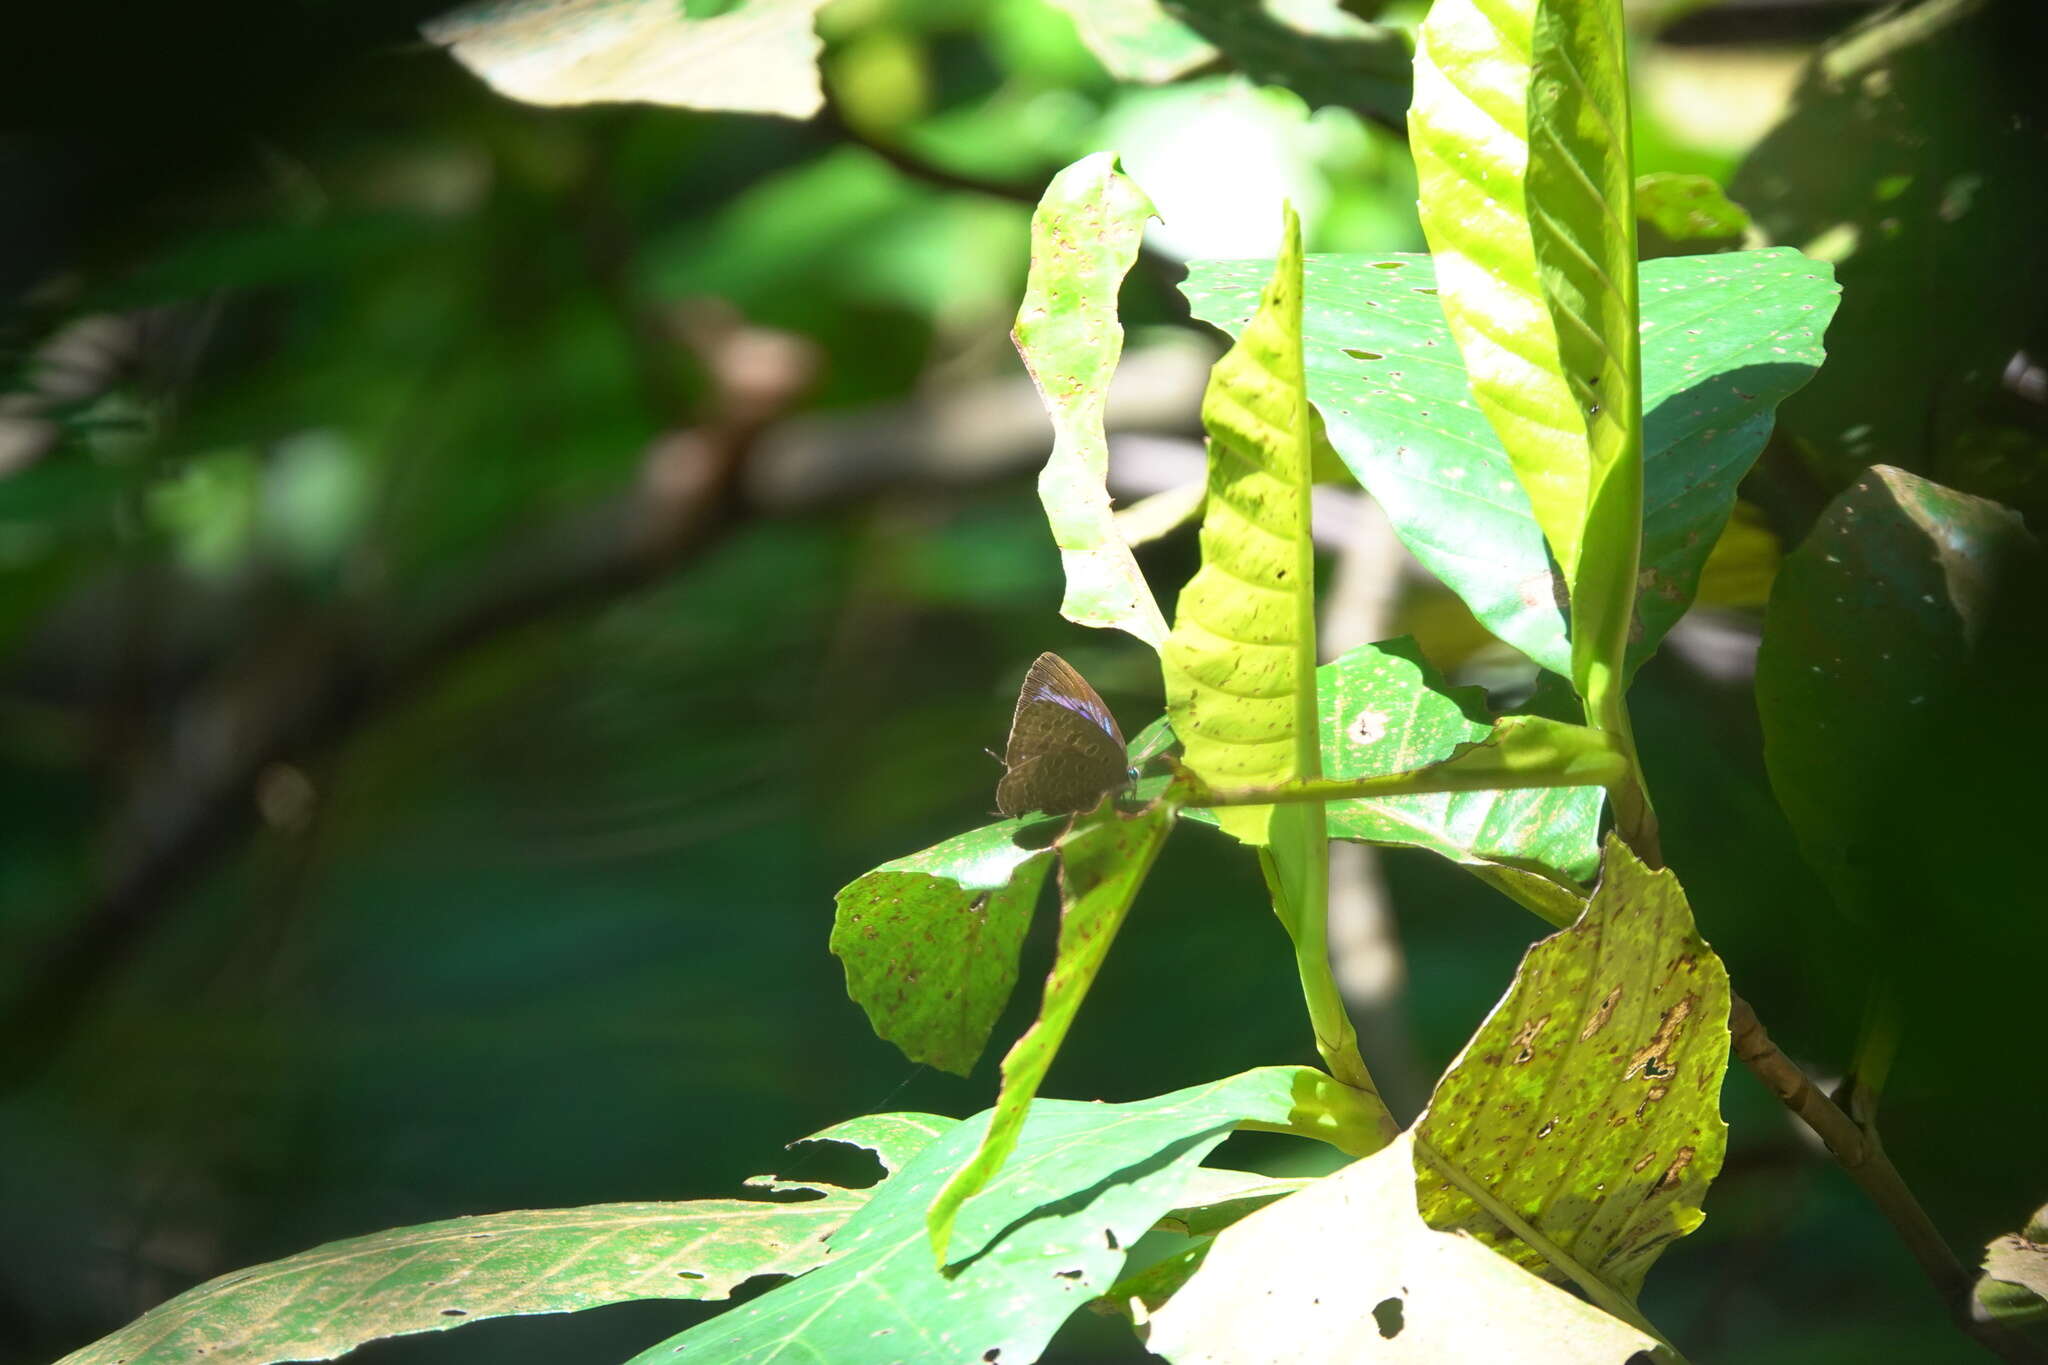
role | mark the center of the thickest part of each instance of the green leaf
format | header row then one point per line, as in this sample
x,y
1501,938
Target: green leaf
x,y
1870,625
1725,339
1688,208
1744,562
930,942
1347,1270
1138,40
2014,1285
1312,47
1240,663
1215,1198
1521,138
1084,236
1103,861
1048,1233
1469,129
1582,218
1580,1127
760,58
1386,710
325,1302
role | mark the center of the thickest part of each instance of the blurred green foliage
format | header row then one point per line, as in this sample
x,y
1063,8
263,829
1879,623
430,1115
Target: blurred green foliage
x,y
314,345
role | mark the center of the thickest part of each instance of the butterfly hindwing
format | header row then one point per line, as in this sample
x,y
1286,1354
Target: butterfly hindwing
x,y
1065,750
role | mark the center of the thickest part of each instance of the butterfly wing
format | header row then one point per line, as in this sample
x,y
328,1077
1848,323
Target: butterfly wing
x,y
1065,749
1061,763
1053,679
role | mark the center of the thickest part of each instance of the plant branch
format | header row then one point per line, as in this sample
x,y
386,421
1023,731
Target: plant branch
x,y
1857,1151
1165,272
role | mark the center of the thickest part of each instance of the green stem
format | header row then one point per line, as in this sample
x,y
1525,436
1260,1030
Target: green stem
x,y
1634,819
1420,782
1304,910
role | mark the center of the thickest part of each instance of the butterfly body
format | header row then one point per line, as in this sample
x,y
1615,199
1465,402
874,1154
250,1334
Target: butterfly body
x,y
1065,751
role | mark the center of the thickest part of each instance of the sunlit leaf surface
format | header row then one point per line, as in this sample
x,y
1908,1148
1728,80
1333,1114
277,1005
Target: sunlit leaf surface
x,y
1084,237
760,57
2014,1285
326,1302
1240,664
1725,339
930,942
1048,1233
1585,1113
1470,128
1346,1270
1385,710
1103,861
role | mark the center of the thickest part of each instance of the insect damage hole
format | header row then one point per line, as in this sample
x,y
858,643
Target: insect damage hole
x,y
1368,727
1387,1314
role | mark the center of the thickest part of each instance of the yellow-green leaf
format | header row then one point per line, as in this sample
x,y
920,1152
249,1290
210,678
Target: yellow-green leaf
x,y
1240,663
1521,134
1469,131
1084,236
1581,1126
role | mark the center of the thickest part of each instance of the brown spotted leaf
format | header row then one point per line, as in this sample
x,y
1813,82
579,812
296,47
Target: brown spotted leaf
x,y
326,1302
1581,1126
930,942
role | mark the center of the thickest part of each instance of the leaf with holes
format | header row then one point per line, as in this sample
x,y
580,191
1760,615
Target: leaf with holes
x,y
758,58
1385,710
1103,861
1346,1270
1084,236
1725,339
1047,1234
1578,1130
326,1302
930,942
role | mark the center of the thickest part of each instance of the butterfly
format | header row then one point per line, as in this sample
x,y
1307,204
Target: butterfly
x,y
1065,750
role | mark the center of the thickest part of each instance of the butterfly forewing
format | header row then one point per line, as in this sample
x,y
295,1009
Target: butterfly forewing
x,y
1065,749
